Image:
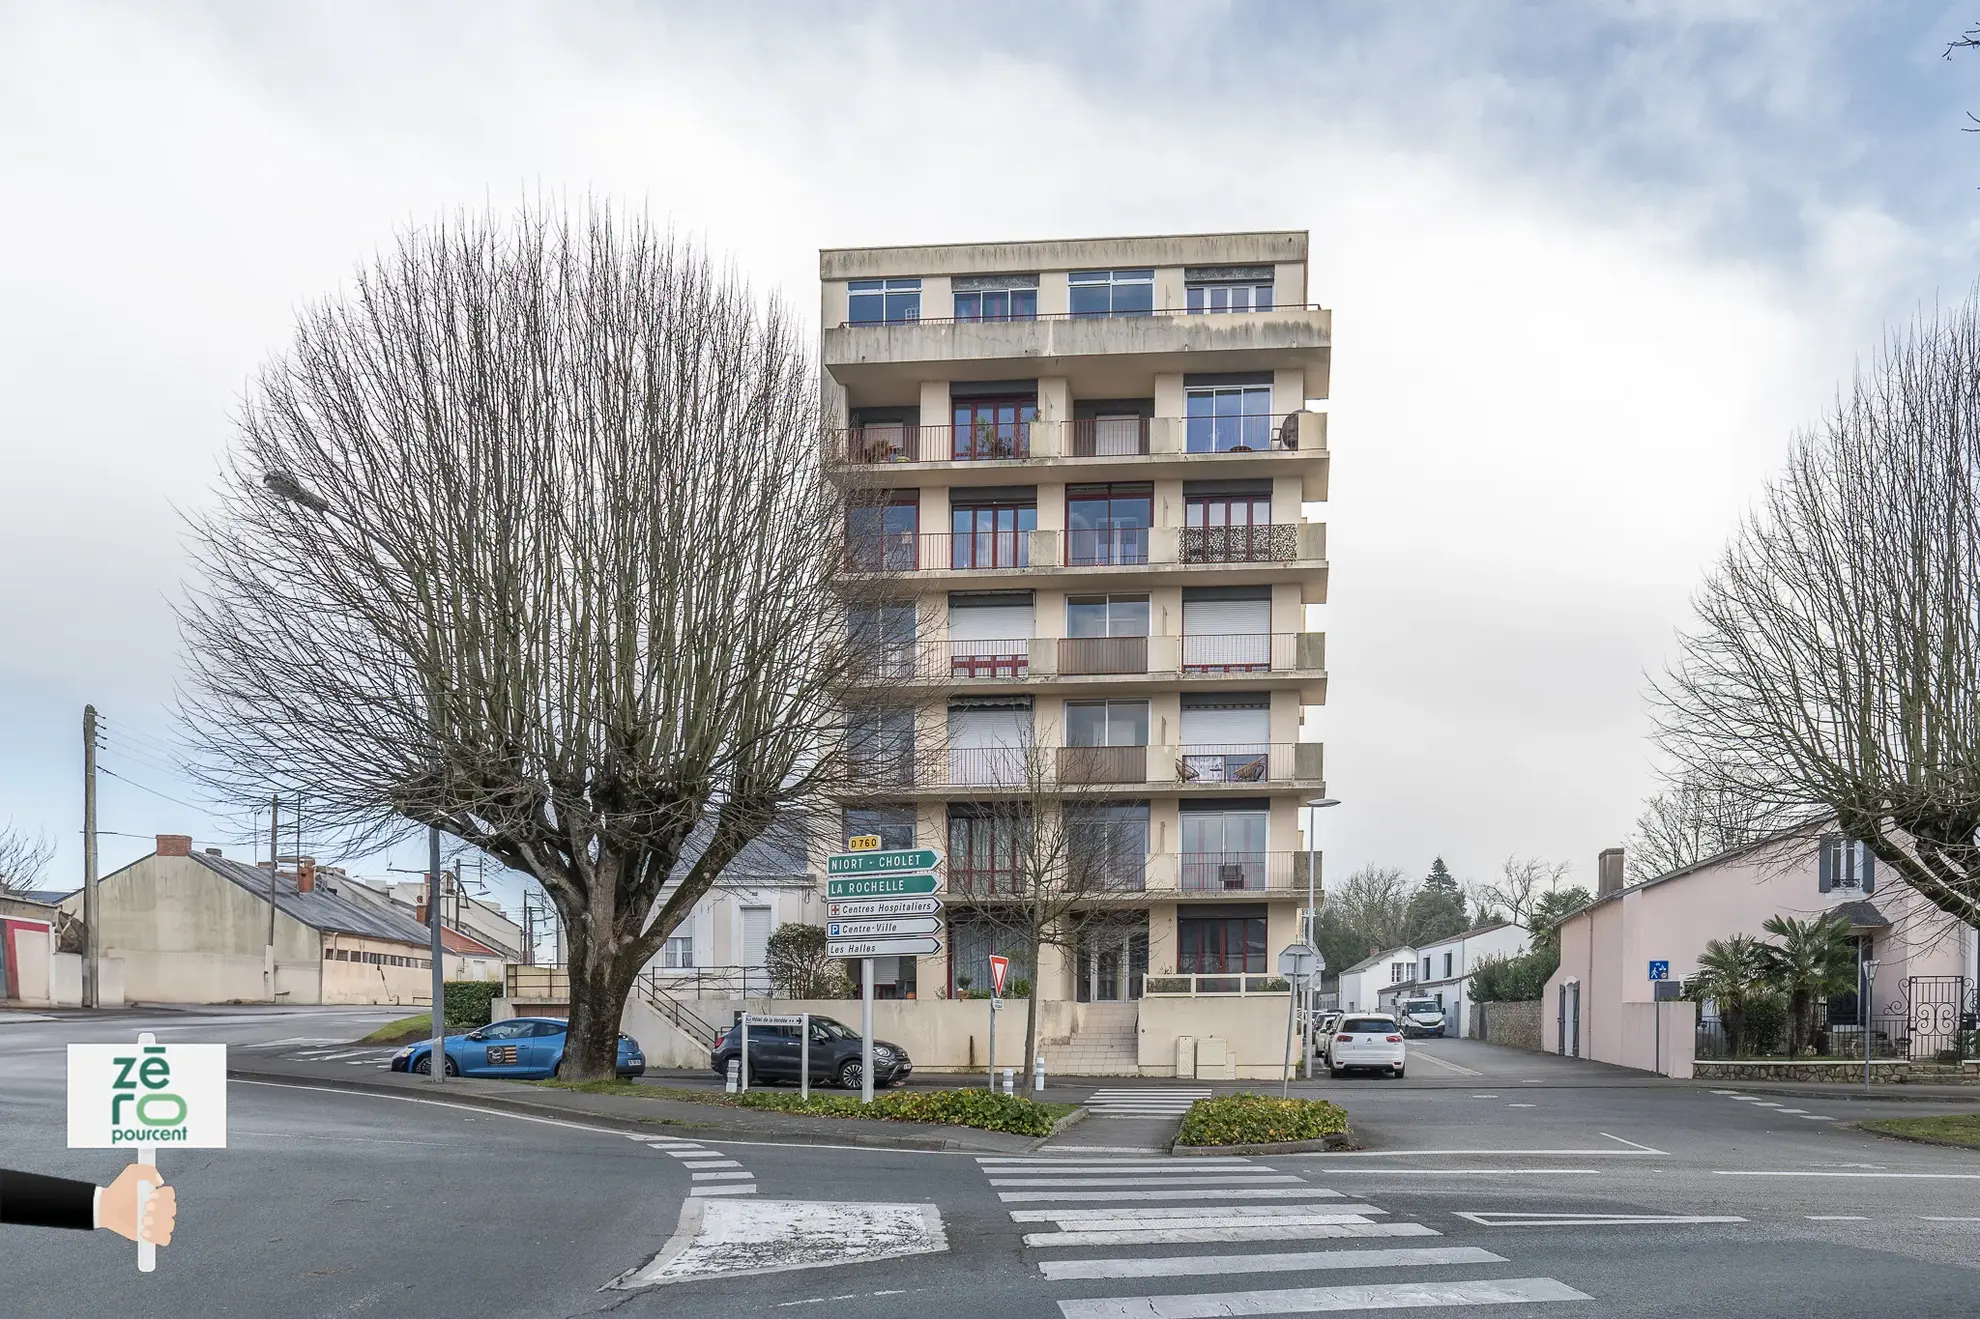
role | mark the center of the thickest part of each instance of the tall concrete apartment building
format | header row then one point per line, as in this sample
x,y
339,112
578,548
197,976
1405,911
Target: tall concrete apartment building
x,y
1084,468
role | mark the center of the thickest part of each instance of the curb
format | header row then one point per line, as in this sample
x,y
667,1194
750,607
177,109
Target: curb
x,y
1340,1140
1072,1119
622,1122
1889,1092
1910,1139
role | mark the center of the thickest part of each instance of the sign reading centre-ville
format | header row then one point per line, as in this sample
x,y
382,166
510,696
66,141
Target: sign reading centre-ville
x,y
147,1094
879,886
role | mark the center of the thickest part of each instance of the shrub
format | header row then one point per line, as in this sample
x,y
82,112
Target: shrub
x,y
1165,985
798,965
1019,988
1253,1119
469,1003
1497,978
956,1108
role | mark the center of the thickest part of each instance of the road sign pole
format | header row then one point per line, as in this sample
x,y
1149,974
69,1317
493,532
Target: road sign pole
x,y
804,1056
993,1044
745,1053
1285,1069
866,1030
146,1154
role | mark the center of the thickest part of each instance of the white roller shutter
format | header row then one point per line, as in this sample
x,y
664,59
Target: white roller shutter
x,y
990,622
1227,633
985,746
1238,728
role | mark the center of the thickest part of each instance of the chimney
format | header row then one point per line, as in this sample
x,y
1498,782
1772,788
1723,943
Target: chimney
x,y
174,845
306,875
419,910
1609,872
213,851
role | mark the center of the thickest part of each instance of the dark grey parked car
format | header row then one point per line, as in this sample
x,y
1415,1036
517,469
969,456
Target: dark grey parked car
x,y
774,1055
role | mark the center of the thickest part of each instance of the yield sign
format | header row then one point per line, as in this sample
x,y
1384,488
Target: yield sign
x,y
999,968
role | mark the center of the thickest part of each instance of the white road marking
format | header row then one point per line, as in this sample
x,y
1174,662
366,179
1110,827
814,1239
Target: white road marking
x,y
1170,1168
1207,1180
1146,1212
1000,1161
437,1103
1233,1193
1837,1218
1084,1150
721,1177
1446,1063
1798,1112
711,1163
1153,1236
1496,1219
1177,1266
1476,1172
1129,1220
1632,1144
1411,1154
733,1188
1317,1300
1725,1092
1948,1218
1817,1117
1765,1103
1796,1172
1484,1096
720,1239
688,1152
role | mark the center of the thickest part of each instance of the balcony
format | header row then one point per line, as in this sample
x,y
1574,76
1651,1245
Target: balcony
x,y
1158,447
963,881
1129,557
894,356
1261,660
1239,768
1210,873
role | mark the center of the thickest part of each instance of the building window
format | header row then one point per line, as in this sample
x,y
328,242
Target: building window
x,y
1108,523
1227,288
1107,844
1106,616
1218,944
984,847
1106,723
987,428
1222,849
892,825
996,297
869,301
677,954
883,637
1400,971
1227,418
1112,292
1846,864
992,535
1426,968
880,745
1447,966
881,536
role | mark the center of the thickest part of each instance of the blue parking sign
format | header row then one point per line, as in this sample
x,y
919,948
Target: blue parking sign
x,y
1660,970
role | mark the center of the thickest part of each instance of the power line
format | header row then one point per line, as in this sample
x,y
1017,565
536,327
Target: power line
x,y
210,810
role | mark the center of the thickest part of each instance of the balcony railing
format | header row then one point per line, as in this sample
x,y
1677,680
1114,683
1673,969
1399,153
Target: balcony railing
x,y
1019,659
1274,542
1126,548
1103,764
1195,985
1078,316
1098,655
1006,769
1241,872
1109,437
939,551
886,443
1088,547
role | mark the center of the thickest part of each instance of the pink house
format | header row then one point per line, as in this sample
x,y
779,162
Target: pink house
x,y
1602,1002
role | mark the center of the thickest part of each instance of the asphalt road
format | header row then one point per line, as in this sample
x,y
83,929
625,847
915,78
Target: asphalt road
x,y
1499,1184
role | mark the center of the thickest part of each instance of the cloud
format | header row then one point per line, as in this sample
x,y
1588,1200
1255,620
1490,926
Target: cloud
x,y
1589,268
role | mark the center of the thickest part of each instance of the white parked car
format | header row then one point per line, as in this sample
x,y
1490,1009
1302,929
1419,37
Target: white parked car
x,y
1366,1039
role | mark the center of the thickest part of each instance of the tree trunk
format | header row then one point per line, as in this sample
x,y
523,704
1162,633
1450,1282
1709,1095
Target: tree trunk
x,y
1032,1015
600,979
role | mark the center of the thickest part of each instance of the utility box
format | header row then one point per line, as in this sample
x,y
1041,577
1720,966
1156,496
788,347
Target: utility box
x,y
1185,1057
1214,1061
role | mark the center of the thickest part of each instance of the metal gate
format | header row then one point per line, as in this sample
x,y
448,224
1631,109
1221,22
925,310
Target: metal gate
x,y
1934,1020
1569,1021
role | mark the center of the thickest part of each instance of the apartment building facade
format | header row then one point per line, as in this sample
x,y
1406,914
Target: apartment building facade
x,y
1081,536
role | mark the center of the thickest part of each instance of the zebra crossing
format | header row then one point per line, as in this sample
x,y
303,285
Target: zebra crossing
x,y
712,1171
1122,1213
368,1056
1143,1101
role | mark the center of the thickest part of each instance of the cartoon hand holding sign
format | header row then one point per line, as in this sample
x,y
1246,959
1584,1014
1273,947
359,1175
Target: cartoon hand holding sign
x,y
144,1096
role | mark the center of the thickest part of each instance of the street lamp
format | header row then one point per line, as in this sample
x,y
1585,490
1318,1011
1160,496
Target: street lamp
x,y
1312,899
283,485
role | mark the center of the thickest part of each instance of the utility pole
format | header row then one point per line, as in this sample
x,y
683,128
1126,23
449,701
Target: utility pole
x,y
91,968
438,1058
274,865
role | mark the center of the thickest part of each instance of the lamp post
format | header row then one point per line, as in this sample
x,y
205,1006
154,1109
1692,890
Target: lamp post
x,y
282,485
1314,806
1869,983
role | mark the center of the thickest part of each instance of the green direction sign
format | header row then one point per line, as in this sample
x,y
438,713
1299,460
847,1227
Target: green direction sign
x,y
879,886
897,861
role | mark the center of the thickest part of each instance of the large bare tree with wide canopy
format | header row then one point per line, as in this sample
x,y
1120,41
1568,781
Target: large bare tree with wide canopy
x,y
1835,666
526,537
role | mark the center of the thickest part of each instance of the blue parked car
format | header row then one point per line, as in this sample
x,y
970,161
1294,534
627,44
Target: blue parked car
x,y
522,1048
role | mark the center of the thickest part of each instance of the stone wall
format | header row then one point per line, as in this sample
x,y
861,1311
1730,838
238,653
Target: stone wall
x,y
1888,1072
1515,1025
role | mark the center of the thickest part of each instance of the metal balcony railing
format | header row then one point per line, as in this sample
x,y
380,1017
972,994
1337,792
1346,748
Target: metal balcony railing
x,y
1088,546
1241,872
1087,765
901,442
879,444
1109,437
1273,542
1013,769
940,550
1020,659
1075,316
1247,762
1198,984
1098,655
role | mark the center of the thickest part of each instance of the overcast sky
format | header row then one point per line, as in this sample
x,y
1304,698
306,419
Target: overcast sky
x,y
1590,266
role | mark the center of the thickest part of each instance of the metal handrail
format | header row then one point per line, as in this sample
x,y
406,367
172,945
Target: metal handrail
x,y
1082,316
664,1001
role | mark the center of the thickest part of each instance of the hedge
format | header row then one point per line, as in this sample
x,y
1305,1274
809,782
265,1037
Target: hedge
x,y
469,1003
1251,1119
955,1108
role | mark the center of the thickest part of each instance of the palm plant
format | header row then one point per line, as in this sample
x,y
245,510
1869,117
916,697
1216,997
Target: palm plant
x,y
1813,958
1732,972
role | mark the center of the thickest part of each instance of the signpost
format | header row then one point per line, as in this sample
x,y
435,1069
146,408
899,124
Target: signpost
x,y
803,1023
1000,967
1296,963
879,904
1660,970
146,1095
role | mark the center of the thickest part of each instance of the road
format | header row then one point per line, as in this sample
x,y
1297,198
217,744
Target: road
x,y
1499,1182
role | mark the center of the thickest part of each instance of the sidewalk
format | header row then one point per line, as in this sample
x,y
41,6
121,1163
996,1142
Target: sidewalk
x,y
653,1116
1887,1092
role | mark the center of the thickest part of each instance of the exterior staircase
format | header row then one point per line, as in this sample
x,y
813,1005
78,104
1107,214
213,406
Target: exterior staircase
x,y
1106,1043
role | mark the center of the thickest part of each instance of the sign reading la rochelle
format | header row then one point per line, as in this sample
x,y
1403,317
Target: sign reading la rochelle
x,y
148,1094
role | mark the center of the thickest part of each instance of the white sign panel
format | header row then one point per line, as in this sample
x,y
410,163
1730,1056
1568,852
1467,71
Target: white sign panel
x,y
868,908
877,929
880,947
171,1095
766,1019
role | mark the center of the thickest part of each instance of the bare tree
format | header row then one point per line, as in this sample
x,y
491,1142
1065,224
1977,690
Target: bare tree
x,y
22,859
1522,883
1835,665
1042,855
1691,819
527,537
1374,903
